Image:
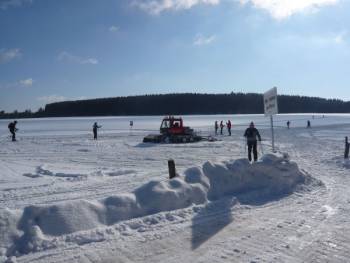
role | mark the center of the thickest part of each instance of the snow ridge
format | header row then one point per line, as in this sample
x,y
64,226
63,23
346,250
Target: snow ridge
x,y
38,227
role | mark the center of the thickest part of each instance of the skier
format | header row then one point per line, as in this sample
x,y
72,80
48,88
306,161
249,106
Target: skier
x,y
228,124
308,124
288,124
94,129
13,130
347,146
216,127
221,126
251,135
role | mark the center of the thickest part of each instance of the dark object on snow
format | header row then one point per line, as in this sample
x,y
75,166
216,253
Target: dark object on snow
x,y
347,146
13,130
288,124
252,135
308,124
94,129
221,126
173,131
172,169
229,125
216,127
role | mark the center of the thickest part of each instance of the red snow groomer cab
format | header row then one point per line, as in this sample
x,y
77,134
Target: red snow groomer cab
x,y
173,131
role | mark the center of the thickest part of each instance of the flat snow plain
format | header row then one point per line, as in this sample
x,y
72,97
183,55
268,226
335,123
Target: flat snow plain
x,y
67,198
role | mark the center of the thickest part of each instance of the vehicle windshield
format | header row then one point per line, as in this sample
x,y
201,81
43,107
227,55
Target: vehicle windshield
x,y
176,124
165,124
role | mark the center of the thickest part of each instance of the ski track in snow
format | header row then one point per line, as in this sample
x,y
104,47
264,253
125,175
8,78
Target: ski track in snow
x,y
311,225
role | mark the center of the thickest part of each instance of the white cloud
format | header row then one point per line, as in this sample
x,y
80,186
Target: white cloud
x,y
281,9
156,7
26,82
340,38
202,40
18,84
326,41
4,4
65,56
52,98
57,98
335,39
7,55
113,28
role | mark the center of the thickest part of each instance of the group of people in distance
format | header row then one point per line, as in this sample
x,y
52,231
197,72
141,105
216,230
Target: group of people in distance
x,y
308,124
251,134
13,130
222,125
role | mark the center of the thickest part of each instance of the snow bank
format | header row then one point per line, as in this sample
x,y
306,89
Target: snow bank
x,y
29,231
272,176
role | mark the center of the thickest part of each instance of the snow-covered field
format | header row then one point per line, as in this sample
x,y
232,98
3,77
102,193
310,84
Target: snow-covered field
x,y
67,198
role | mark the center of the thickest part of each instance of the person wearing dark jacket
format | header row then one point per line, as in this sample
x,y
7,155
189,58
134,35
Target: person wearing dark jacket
x,y
94,129
216,127
13,129
252,134
221,126
347,146
229,125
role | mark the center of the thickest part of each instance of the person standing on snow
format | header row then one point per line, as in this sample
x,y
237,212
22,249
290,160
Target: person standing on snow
x,y
221,126
308,124
94,129
228,124
347,146
216,127
13,129
288,124
251,135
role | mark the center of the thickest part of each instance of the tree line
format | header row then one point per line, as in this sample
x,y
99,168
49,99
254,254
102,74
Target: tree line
x,y
183,103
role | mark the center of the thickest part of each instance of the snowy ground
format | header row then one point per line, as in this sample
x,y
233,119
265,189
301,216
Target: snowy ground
x,y
59,191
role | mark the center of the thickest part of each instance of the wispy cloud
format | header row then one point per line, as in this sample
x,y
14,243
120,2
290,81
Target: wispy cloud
x,y
57,98
334,39
281,9
7,55
156,7
5,4
201,40
326,41
24,83
67,57
340,38
113,29
52,98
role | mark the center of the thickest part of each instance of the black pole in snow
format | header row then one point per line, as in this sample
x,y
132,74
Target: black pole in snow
x,y
172,169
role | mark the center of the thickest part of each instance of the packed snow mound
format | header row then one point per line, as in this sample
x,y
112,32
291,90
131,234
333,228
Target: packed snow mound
x,y
29,230
151,198
272,176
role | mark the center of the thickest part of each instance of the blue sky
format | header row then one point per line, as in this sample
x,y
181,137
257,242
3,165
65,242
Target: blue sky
x,y
76,49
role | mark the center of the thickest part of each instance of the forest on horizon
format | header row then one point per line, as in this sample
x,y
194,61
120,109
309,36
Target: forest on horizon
x,y
183,104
